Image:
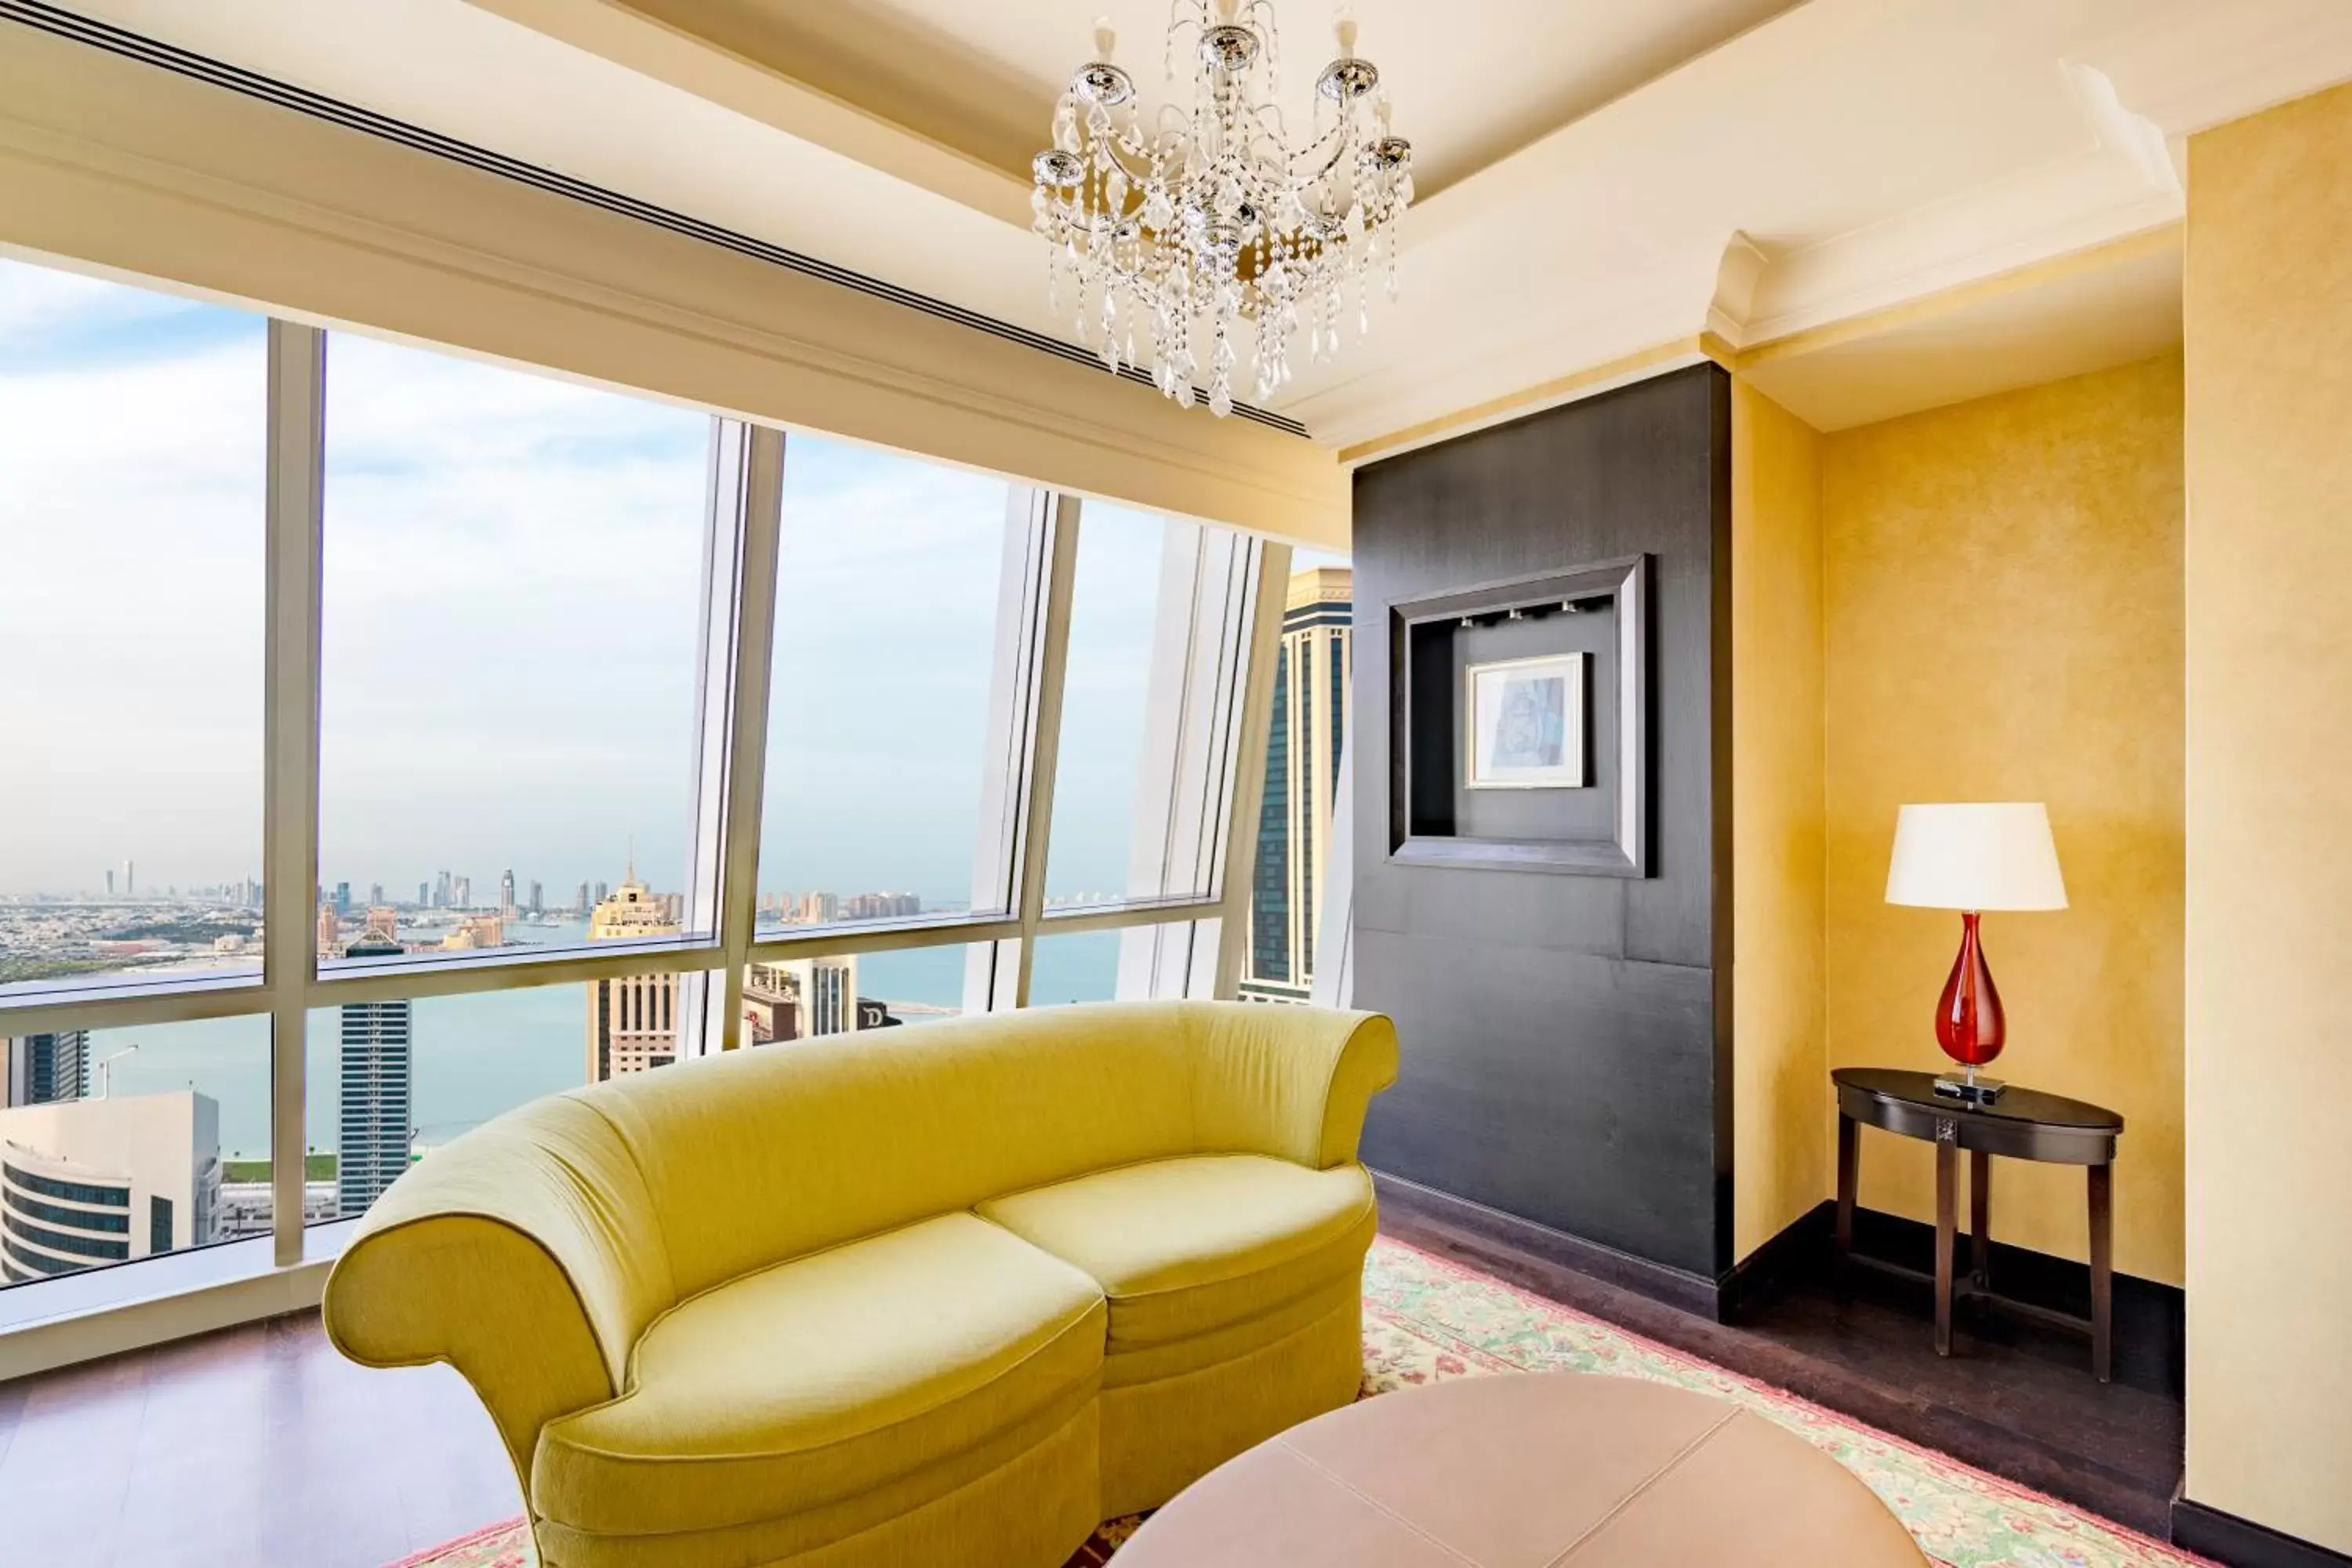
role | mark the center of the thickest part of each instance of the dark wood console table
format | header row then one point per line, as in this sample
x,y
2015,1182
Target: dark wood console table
x,y
2021,1125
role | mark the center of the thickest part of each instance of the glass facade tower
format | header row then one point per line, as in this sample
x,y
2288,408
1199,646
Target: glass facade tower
x,y
374,1134
1309,725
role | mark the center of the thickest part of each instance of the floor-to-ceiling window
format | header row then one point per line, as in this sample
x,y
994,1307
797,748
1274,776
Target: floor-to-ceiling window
x,y
396,737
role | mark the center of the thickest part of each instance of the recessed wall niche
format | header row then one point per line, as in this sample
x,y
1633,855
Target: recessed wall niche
x,y
1570,649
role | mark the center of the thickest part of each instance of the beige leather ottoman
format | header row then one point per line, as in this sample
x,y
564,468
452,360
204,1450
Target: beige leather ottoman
x,y
1551,1470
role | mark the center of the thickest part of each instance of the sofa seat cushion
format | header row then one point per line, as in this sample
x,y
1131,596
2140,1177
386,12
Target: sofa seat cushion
x,y
1185,1247
829,1375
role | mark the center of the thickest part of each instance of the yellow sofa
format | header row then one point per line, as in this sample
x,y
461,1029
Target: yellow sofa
x,y
948,1296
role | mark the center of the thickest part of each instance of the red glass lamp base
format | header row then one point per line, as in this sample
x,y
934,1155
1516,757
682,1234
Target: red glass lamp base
x,y
1969,1024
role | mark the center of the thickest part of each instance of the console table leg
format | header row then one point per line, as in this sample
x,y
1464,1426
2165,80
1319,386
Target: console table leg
x,y
1849,1177
1980,1219
2102,1265
1948,1171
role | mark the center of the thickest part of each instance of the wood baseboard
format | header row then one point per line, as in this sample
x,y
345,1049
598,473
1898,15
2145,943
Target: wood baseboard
x,y
1802,1248
2243,1544
1403,1202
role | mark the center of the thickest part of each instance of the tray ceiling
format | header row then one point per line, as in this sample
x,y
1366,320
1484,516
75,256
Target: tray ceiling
x,y
1601,177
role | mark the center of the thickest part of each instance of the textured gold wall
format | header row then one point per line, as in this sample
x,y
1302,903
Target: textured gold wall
x,y
2269,320
2004,620
1782,1105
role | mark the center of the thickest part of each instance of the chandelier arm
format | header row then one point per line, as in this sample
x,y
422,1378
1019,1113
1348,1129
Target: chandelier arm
x,y
1119,156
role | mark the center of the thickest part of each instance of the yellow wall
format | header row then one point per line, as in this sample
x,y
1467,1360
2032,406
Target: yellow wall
x,y
2004,623
2269,320
1781,1108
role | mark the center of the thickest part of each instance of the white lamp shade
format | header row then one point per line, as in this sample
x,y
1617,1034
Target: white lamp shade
x,y
1984,856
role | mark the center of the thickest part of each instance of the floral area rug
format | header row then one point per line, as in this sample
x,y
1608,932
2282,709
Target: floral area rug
x,y
1427,1320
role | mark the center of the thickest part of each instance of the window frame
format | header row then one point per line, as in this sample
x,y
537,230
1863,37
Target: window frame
x,y
1224,687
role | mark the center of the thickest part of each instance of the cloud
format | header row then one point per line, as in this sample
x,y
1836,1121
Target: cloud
x,y
513,587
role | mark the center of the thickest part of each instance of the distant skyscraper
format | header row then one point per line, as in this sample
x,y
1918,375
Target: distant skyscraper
x,y
42,1069
462,889
632,1018
1311,676
375,892
444,893
538,899
342,897
585,903
423,895
85,1181
506,894
130,880
109,882
373,1141
603,893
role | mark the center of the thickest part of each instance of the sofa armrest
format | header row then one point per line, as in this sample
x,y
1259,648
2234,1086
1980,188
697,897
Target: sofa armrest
x,y
524,1254
1288,1081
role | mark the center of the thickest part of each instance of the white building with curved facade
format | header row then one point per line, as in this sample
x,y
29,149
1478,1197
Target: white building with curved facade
x,y
90,1182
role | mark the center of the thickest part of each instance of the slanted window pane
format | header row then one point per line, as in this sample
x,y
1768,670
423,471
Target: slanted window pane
x,y
1135,965
899,584
513,592
1114,615
122,1144
132,449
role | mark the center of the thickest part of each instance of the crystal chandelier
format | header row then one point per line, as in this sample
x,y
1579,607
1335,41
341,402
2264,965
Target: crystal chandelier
x,y
1210,226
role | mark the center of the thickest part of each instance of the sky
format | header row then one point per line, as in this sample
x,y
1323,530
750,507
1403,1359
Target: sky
x,y
511,592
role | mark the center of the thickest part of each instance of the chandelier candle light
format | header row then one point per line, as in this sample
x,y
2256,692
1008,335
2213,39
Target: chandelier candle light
x,y
1209,228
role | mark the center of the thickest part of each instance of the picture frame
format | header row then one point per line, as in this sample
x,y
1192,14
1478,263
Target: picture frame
x,y
1525,722
1424,660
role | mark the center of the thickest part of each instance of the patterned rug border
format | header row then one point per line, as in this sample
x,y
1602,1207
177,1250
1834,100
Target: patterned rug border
x,y
458,1544
1937,1456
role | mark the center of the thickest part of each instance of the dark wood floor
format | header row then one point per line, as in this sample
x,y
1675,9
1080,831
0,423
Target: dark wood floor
x,y
257,1446
260,1446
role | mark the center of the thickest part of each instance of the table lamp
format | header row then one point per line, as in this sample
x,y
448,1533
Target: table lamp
x,y
1973,858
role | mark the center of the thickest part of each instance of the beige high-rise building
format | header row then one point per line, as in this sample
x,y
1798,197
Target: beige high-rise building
x,y
794,998
1302,773
476,931
632,1019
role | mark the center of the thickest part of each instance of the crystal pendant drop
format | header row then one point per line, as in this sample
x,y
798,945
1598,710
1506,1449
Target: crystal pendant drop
x,y
1163,232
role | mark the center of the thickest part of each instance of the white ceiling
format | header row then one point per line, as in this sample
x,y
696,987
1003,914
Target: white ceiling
x,y
984,76
1600,177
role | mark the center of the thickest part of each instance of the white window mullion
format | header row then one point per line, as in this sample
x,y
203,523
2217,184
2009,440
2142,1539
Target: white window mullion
x,y
749,496
290,853
1045,736
1225,939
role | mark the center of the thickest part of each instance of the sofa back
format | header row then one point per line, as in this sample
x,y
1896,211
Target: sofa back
x,y
767,1155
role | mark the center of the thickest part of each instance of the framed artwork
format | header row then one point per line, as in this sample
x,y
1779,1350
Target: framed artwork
x,y
1526,723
